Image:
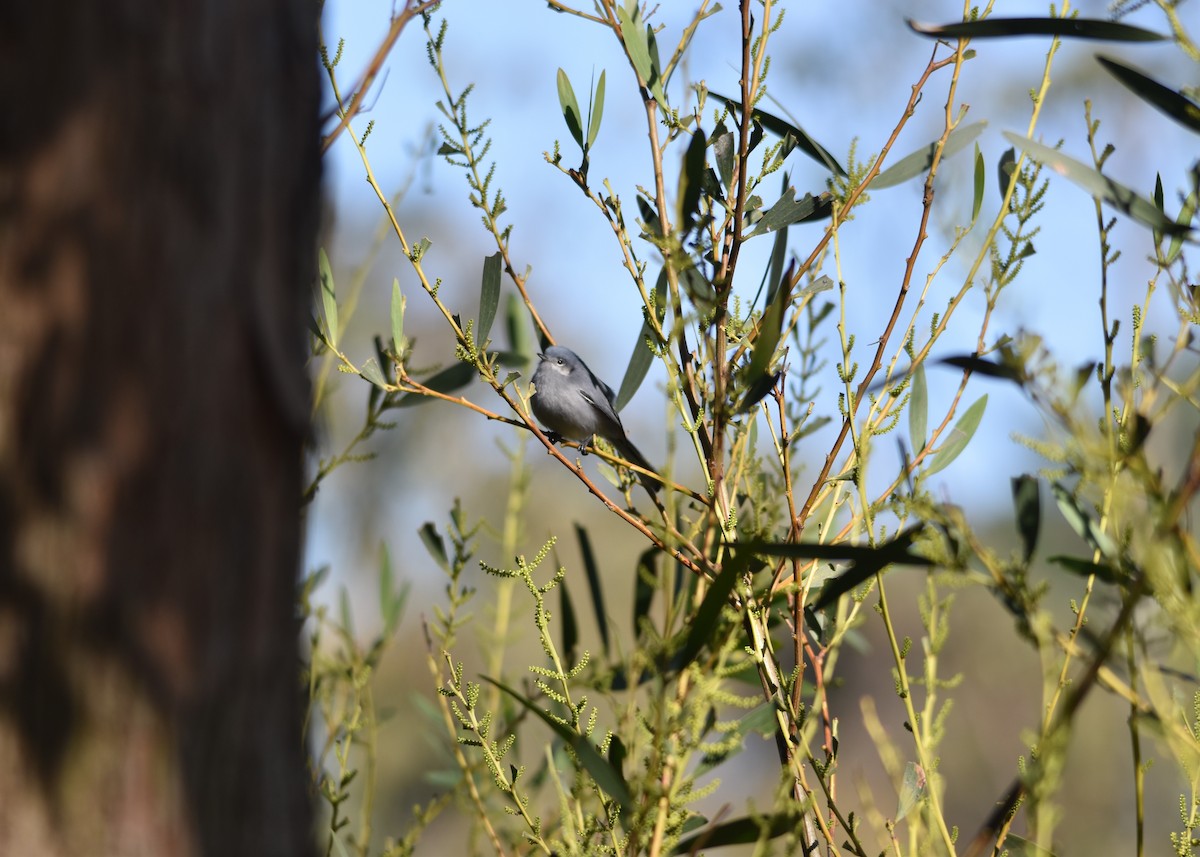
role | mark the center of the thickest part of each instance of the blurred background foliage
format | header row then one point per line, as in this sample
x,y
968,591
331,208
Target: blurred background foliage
x,y
403,513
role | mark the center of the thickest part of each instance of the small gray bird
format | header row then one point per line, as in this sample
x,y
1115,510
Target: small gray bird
x,y
574,403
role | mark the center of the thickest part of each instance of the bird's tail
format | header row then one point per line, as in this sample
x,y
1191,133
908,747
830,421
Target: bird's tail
x,y
632,454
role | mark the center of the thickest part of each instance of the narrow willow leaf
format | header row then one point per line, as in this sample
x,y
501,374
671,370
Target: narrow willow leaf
x,y
1186,213
608,778
787,210
741,831
1083,524
1028,504
1067,28
597,110
398,304
593,578
785,129
1004,170
433,542
635,372
778,257
347,617
636,43
645,582
691,183
489,298
371,371
1171,102
570,107
980,180
386,584
865,561
723,150
919,162
959,437
1086,568
918,410
912,789
328,298
519,341
1120,197
447,381
703,631
570,642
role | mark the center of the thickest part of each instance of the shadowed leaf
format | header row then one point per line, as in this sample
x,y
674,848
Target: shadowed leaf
x,y
1028,504
597,110
645,582
782,128
1083,524
980,181
691,183
1171,102
606,776
787,210
593,577
912,789
1086,568
1067,28
570,628
918,410
741,831
447,381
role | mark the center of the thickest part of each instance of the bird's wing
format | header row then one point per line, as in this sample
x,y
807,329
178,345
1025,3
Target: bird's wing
x,y
605,409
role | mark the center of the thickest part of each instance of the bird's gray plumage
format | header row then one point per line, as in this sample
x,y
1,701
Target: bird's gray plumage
x,y
574,403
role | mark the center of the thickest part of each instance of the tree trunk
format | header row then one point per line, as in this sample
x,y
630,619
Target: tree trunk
x,y
159,195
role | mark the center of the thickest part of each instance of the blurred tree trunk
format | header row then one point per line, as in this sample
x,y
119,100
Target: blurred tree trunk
x,y
159,173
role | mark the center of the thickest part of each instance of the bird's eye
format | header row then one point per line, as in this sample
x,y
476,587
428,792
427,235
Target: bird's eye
x,y
561,361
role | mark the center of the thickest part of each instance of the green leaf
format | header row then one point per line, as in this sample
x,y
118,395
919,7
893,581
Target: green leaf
x,y
1186,213
570,641
919,162
447,381
785,129
645,582
519,341
593,578
691,183
980,179
432,540
1083,524
918,410
608,778
1004,170
912,790
1028,504
1006,370
959,437
724,146
597,111
347,619
570,107
1067,28
741,831
637,46
703,631
865,561
1120,197
398,305
769,330
489,297
370,370
635,372
328,297
778,258
787,210
1086,568
1171,102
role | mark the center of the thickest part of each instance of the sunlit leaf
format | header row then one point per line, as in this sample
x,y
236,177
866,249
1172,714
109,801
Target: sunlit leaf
x,y
328,297
919,162
959,437
1083,524
597,111
398,305
489,297
1120,197
918,410
912,790
570,107
980,180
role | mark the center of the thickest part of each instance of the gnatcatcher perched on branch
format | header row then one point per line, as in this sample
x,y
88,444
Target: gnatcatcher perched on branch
x,y
574,403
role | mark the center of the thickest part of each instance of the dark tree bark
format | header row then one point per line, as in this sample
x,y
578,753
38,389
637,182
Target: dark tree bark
x,y
159,197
